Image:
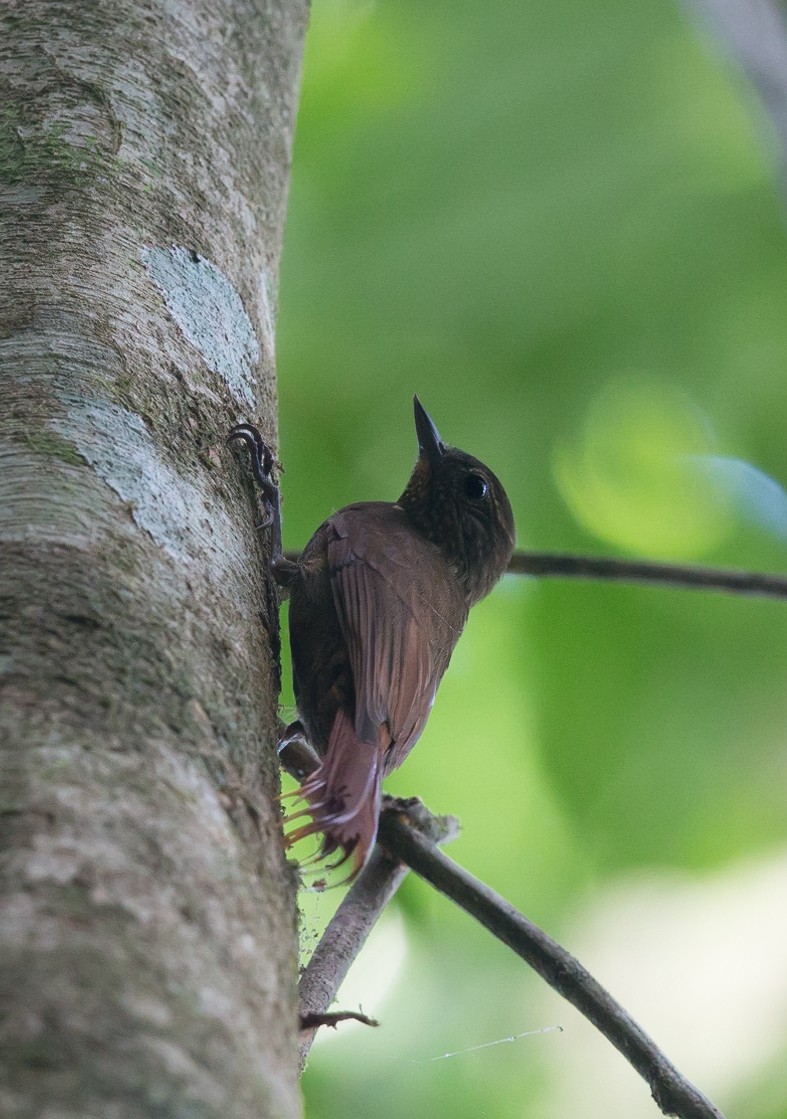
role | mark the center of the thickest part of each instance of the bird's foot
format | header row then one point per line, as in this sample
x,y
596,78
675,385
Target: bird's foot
x,y
296,754
262,464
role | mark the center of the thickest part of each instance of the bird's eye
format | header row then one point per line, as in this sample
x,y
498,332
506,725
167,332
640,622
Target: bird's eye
x,y
476,487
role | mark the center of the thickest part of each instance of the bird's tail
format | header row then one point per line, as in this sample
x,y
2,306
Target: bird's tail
x,y
343,796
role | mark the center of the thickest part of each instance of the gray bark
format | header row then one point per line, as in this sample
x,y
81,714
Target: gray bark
x,y
147,919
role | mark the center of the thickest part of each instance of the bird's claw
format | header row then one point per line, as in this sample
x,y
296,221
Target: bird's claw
x,y
262,466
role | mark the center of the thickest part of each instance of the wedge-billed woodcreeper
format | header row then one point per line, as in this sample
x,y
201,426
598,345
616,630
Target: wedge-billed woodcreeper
x,y
378,599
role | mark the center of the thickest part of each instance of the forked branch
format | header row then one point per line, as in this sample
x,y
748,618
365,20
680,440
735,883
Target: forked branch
x,y
408,837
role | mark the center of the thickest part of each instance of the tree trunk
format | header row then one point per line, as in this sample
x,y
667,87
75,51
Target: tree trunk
x,y
147,921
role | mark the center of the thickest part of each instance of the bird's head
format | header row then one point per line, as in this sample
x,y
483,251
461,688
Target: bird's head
x,y
461,506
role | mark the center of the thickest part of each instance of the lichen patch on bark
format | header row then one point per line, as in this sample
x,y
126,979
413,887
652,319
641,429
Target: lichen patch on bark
x,y
160,500
210,313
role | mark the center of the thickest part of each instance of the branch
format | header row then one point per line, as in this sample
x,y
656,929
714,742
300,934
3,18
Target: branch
x,y
671,1091
552,565
685,576
355,918
314,1021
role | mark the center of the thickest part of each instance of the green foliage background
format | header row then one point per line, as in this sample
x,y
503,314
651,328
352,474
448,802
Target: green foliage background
x,y
561,225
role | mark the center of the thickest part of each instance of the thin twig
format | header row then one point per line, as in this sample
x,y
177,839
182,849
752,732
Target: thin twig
x,y
686,576
347,932
332,1019
672,1092
557,565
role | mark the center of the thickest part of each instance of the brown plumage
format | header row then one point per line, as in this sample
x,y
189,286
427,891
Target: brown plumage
x,y
378,600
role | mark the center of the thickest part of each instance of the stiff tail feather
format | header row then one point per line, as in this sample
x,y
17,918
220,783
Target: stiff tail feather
x,y
343,797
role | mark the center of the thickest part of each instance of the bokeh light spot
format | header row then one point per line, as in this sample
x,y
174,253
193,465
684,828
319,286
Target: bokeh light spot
x,y
629,478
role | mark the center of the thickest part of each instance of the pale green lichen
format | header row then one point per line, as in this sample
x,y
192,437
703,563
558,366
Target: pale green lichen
x,y
54,446
210,313
30,148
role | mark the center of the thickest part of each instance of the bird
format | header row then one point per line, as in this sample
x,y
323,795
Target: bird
x,y
378,599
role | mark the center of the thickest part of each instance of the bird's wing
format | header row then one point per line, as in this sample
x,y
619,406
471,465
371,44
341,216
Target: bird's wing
x,y
393,600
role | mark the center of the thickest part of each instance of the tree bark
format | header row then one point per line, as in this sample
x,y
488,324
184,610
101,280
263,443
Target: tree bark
x,y
147,918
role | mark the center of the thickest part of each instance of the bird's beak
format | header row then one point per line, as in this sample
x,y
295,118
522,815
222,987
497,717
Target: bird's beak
x,y
430,444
